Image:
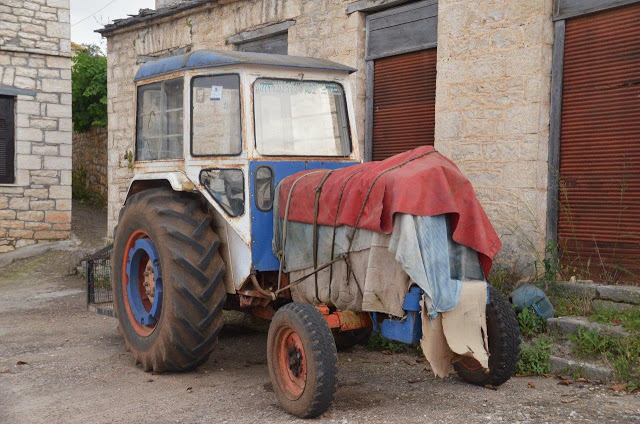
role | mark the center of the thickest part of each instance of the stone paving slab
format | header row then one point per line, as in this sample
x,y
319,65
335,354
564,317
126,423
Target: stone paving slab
x,y
626,294
571,325
590,371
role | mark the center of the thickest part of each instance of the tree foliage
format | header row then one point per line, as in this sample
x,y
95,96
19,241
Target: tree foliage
x,y
89,84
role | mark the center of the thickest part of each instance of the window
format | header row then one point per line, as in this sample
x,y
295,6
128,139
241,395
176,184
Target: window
x,y
7,139
276,44
215,117
300,118
226,186
264,188
160,120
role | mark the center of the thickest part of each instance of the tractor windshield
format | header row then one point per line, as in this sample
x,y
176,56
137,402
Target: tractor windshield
x,y
300,118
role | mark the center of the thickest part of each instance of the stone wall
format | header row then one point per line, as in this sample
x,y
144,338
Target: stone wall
x,y
34,55
492,111
90,159
35,26
322,30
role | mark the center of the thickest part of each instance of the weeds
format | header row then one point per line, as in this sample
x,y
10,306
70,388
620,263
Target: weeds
x,y
80,188
379,343
534,357
629,319
551,267
503,279
572,305
530,323
622,353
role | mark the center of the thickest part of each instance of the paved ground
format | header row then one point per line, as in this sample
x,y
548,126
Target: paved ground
x,y
77,371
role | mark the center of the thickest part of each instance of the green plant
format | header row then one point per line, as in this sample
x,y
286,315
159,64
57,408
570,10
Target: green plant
x,y
629,319
534,357
622,353
530,323
590,344
89,89
572,305
377,342
80,188
504,279
551,266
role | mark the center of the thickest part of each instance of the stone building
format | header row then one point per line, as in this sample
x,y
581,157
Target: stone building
x,y
480,80
35,122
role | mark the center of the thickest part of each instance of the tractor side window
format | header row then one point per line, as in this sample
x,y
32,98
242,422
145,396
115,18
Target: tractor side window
x,y
226,186
215,116
160,120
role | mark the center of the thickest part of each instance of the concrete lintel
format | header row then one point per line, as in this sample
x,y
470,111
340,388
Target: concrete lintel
x,y
12,91
258,34
368,6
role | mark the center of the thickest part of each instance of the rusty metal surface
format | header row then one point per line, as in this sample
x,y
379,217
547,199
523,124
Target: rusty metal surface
x,y
599,210
404,98
345,320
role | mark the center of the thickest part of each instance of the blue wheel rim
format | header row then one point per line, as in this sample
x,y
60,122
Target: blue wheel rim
x,y
143,248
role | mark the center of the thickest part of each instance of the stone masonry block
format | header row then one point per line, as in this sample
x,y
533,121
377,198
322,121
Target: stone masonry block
x,y
43,205
626,294
30,216
57,137
51,235
56,162
39,226
58,217
60,192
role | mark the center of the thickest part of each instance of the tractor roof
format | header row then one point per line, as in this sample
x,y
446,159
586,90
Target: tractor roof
x,y
213,58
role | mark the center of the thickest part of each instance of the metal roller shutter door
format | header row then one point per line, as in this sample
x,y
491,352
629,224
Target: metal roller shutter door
x,y
599,205
404,99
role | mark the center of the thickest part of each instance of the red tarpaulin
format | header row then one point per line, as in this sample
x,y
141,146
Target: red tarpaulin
x,y
419,182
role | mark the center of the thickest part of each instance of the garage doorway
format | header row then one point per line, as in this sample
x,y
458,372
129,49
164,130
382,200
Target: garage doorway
x,y
401,79
598,228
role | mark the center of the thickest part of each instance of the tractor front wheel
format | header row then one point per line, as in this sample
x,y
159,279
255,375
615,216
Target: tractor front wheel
x,y
302,359
167,280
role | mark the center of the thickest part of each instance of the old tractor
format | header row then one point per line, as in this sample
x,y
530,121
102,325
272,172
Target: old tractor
x,y
216,132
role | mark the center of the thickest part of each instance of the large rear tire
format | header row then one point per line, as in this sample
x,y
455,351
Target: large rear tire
x,y
302,360
504,345
179,333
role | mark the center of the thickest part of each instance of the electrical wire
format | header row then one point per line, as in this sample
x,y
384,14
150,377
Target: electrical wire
x,y
93,14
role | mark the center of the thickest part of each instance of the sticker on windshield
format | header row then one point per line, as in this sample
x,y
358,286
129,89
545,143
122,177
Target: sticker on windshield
x,y
216,92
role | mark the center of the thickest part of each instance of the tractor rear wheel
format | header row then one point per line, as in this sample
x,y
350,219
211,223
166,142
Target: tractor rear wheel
x,y
302,360
504,345
167,280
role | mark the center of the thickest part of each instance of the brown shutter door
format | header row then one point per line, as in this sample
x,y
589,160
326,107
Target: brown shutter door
x,y
599,209
404,103
7,141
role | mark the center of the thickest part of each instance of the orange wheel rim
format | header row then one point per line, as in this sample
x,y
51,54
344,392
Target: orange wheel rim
x,y
140,329
291,363
470,364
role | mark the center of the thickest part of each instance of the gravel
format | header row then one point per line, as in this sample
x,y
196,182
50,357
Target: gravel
x,y
77,371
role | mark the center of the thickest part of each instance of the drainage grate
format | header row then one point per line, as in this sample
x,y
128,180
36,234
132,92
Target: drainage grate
x,y
99,294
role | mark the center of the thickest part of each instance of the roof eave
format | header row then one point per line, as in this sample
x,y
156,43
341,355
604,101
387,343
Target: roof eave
x,y
125,24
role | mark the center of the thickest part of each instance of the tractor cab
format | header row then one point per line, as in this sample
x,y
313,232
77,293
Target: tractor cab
x,y
231,125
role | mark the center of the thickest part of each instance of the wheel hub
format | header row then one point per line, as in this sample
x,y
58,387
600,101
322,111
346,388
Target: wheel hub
x,y
295,361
